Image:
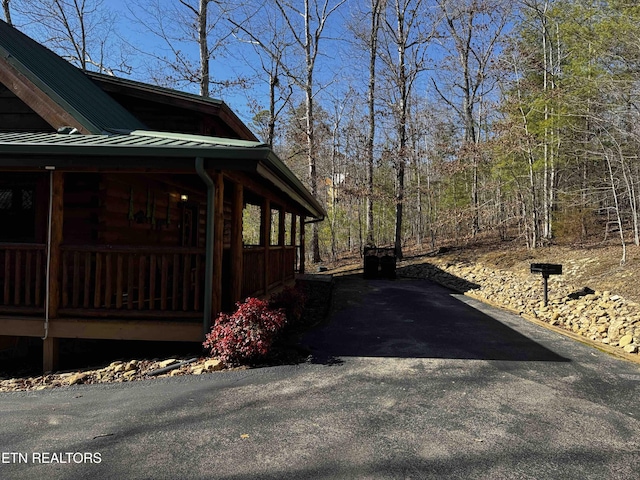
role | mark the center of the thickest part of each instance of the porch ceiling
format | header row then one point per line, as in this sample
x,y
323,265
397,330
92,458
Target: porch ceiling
x,y
148,149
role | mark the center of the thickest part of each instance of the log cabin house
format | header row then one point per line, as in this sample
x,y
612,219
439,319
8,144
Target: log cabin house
x,y
122,206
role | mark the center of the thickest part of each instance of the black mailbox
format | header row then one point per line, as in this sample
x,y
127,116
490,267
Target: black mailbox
x,y
546,269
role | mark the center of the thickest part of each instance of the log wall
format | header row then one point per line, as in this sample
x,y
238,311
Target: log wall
x,y
17,116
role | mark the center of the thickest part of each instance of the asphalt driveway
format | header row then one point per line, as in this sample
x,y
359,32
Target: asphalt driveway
x,y
407,380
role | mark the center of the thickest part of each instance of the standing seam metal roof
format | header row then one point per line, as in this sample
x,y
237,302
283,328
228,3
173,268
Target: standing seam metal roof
x,y
65,84
129,146
136,138
115,131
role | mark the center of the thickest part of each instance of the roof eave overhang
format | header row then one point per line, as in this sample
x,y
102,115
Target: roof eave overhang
x,y
309,203
272,165
176,98
259,160
41,99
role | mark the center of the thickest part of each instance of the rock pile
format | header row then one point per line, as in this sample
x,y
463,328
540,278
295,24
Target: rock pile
x,y
119,371
600,316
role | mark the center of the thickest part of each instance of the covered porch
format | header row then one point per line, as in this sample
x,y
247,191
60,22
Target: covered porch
x,y
161,248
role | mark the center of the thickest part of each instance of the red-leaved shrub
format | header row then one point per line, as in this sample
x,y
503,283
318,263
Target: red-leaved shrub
x,y
292,300
246,334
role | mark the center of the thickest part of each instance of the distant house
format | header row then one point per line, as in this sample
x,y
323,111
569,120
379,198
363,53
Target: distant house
x,y
121,206
333,184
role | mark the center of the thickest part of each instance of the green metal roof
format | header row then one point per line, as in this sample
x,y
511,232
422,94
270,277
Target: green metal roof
x,y
122,143
118,139
192,97
149,149
65,84
190,101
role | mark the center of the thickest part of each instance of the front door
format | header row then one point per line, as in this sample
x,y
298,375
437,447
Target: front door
x,y
189,225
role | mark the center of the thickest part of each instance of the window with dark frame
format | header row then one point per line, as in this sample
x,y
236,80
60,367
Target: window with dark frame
x,y
17,213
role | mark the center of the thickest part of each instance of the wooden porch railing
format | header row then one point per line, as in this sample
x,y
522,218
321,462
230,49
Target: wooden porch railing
x,y
281,267
132,281
289,262
127,281
252,274
22,276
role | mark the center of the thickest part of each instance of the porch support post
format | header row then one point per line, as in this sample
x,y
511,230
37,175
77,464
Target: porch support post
x,y
50,355
218,244
57,217
50,346
281,245
266,239
237,247
302,240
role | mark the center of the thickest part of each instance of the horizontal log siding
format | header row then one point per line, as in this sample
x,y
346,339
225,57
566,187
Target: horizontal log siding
x,y
16,116
163,225
131,281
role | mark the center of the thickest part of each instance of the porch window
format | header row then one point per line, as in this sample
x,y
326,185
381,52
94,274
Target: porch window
x,y
17,213
251,224
275,227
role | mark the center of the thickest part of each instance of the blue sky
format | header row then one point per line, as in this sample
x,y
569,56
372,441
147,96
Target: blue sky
x,y
230,65
338,66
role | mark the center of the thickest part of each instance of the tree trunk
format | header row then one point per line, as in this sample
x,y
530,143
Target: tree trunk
x,y
403,85
7,11
623,259
373,54
204,48
271,128
311,151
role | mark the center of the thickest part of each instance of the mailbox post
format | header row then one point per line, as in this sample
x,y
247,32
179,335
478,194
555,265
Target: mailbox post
x,y
546,269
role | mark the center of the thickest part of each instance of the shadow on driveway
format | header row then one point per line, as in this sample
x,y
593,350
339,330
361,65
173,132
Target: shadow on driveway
x,y
414,319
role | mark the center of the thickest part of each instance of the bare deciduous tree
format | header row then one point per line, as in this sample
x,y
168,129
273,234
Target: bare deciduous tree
x,y
370,39
409,27
81,31
265,32
306,25
474,27
178,26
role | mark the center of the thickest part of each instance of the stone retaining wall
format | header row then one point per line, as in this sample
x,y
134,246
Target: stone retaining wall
x,y
602,317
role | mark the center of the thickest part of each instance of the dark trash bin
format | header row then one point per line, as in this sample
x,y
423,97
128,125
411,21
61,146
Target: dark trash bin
x,y
388,267
371,264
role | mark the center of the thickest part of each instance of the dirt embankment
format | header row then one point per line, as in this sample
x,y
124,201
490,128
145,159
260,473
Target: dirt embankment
x,y
595,297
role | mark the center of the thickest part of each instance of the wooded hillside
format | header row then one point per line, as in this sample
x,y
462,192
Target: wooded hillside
x,y
416,122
